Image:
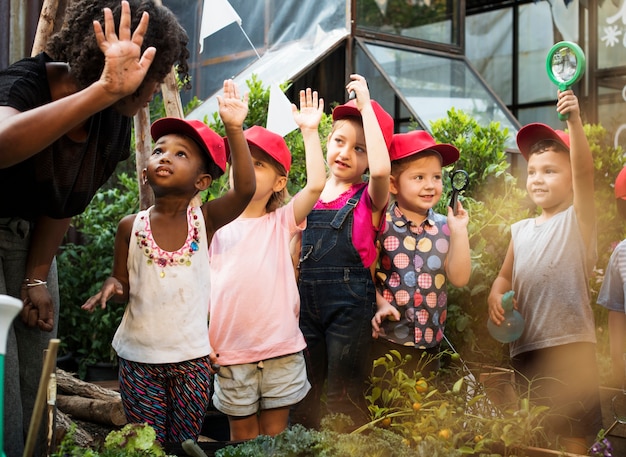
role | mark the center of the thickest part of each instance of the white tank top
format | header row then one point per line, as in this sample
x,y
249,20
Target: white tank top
x,y
165,320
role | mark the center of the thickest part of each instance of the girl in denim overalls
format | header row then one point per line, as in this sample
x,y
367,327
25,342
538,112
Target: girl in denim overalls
x,y
336,289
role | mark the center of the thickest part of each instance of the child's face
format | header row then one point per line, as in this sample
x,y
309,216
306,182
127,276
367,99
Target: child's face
x,y
346,153
549,181
268,180
419,185
175,162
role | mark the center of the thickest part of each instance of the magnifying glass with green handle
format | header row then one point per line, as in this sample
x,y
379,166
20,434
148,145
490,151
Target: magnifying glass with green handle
x,y
565,65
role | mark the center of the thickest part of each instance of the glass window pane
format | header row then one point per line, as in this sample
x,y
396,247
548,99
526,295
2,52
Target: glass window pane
x,y
544,114
611,34
431,20
536,37
266,27
431,85
611,112
489,47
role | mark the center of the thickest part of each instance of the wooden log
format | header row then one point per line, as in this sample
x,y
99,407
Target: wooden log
x,y
107,412
143,149
171,96
45,26
64,424
70,385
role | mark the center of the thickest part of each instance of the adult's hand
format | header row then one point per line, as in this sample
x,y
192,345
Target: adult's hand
x,y
124,67
38,307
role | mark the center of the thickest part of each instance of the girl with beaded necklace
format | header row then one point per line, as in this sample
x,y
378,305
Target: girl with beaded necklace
x,y
161,269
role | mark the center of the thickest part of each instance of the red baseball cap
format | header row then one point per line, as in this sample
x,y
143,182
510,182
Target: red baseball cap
x,y
620,185
207,139
412,143
385,121
531,134
269,142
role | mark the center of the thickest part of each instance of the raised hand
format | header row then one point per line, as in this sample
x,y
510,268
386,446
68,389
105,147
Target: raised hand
x,y
232,108
124,66
311,110
568,103
358,85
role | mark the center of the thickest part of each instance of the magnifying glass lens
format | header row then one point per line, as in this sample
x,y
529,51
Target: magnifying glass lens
x,y
564,64
459,181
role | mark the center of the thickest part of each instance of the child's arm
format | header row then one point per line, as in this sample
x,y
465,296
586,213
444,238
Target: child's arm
x,y
308,119
502,284
377,154
222,210
458,261
582,165
115,286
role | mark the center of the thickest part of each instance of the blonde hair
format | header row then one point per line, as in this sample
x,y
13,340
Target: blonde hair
x,y
277,199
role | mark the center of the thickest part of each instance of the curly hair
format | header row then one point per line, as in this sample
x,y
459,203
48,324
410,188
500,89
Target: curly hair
x,y
76,43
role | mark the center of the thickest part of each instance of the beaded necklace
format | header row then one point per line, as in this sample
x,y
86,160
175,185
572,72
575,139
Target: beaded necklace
x,y
161,258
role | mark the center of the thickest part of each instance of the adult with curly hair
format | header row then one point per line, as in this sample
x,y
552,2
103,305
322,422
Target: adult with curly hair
x,y
65,123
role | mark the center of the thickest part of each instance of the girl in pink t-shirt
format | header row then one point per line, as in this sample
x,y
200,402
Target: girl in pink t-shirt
x,y
255,305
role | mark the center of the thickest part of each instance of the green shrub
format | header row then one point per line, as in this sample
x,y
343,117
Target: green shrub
x,y
83,267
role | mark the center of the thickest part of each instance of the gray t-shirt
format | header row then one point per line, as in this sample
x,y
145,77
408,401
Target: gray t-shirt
x,y
551,271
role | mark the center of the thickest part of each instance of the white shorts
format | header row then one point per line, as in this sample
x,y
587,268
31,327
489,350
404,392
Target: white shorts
x,y
243,390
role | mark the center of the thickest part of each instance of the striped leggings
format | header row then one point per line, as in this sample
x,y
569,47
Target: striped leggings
x,y
171,397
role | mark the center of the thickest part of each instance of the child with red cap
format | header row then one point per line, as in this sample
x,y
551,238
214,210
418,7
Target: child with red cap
x,y
420,251
337,249
160,269
253,325
612,293
548,263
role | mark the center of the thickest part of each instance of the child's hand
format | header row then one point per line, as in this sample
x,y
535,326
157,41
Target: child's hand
x,y
110,287
232,108
214,366
311,110
458,221
385,311
496,311
358,85
568,103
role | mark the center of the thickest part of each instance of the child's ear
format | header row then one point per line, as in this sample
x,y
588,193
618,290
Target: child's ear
x,y
203,182
144,176
393,189
280,184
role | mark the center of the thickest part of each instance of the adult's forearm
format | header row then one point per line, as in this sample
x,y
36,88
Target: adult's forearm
x,y
45,241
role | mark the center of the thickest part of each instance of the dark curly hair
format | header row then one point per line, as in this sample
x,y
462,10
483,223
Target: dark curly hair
x,y
76,43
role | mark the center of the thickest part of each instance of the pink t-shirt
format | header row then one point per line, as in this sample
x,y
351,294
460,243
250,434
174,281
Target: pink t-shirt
x,y
255,304
363,231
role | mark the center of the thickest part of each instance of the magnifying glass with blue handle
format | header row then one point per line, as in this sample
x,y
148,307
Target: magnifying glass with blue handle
x,y
460,181
565,64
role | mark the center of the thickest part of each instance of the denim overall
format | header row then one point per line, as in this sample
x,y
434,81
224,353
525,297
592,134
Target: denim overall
x,y
337,303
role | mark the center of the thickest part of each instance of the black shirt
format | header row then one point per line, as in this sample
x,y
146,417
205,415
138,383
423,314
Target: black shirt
x,y
61,180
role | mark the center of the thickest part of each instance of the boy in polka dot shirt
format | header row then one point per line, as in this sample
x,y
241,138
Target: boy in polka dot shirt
x,y
420,252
